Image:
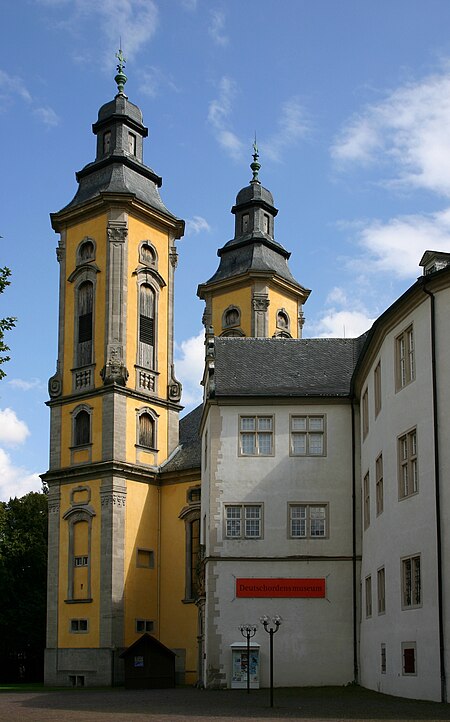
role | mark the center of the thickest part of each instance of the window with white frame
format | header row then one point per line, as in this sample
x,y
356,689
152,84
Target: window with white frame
x,y
368,596
379,484
365,413
146,356
377,388
366,500
405,369
243,521
144,625
308,435
381,590
256,435
308,521
411,582
78,625
409,658
383,658
407,461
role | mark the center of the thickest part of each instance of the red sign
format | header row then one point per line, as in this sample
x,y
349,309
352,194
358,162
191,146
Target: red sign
x,y
280,588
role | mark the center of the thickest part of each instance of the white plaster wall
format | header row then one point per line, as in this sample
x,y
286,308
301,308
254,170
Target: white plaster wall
x,y
406,527
315,642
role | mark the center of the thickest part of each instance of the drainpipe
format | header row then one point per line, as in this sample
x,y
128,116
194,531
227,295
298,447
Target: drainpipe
x,y
354,579
437,496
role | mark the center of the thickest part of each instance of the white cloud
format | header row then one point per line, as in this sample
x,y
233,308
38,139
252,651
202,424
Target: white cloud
x,y
218,117
397,245
216,27
25,385
152,79
189,363
189,5
293,125
13,431
343,324
47,116
12,86
197,224
14,480
135,21
408,131
337,295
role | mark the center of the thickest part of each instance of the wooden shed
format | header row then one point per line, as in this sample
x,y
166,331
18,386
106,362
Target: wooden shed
x,y
149,664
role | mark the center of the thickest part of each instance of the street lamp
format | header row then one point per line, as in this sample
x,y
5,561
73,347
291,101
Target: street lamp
x,y
276,621
248,631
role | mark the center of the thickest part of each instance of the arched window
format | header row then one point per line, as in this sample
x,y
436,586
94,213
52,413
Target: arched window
x,y
86,251
82,428
146,326
147,254
85,297
146,431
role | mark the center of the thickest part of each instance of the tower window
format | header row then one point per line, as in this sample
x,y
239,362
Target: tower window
x,y
266,223
132,143
231,317
283,320
82,428
146,431
106,142
84,323
147,254
245,222
86,251
146,326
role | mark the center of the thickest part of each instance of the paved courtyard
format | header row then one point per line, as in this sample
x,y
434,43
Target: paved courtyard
x,y
330,704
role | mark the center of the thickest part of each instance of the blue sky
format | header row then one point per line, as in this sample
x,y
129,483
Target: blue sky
x,y
350,101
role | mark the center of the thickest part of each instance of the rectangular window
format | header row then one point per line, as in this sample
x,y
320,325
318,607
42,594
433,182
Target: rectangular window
x,y
144,625
308,521
409,658
81,561
383,658
368,596
407,460
366,504
78,625
377,388
365,413
243,521
145,558
308,435
256,435
405,369
411,582
379,484
132,143
381,593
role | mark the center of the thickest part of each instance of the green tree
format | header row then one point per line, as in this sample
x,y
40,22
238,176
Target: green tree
x,y
6,324
23,581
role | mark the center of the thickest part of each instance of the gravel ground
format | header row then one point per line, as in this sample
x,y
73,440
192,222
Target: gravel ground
x,y
330,704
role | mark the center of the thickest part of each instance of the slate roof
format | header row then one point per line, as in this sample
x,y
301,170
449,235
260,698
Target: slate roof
x,y
188,455
285,367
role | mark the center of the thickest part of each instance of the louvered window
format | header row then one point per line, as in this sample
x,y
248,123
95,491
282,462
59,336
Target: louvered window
x,y
85,308
82,429
146,431
146,326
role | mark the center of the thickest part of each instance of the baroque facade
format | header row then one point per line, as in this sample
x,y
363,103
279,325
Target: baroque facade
x,y
310,484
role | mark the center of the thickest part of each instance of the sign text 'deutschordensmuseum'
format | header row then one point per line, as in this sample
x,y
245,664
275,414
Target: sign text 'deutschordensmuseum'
x,y
280,588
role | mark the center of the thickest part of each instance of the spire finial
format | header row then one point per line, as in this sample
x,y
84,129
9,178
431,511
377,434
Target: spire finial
x,y
255,166
120,78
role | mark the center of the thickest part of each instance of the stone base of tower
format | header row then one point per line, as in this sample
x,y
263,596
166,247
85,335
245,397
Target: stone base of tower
x,y
83,667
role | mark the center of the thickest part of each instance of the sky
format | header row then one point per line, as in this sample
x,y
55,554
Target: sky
x,y
350,103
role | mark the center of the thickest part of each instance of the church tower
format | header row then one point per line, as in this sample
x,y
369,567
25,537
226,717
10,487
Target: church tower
x,y
253,292
114,403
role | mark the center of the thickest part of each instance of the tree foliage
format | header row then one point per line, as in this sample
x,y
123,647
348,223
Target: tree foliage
x,y
23,582
6,324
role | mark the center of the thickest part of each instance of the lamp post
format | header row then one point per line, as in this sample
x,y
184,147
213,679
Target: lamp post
x,y
248,631
276,621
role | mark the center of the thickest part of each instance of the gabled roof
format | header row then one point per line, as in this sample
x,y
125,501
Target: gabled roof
x,y
284,367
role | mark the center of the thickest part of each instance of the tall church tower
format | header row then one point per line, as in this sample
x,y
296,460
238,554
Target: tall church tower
x,y
114,404
253,292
